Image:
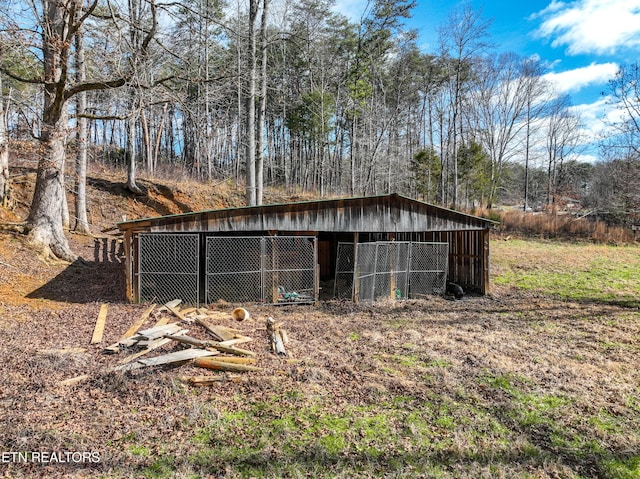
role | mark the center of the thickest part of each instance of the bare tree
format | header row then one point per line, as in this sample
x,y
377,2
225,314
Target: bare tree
x,y
563,136
463,37
501,100
262,110
58,22
250,107
624,92
4,149
82,223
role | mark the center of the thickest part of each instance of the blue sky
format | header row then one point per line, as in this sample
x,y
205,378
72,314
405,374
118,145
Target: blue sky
x,y
583,41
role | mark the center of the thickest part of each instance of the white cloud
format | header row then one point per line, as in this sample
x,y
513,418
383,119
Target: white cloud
x,y
578,78
352,9
591,26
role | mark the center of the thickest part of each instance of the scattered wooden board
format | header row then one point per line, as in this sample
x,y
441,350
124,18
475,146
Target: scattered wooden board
x,y
236,359
144,338
210,344
212,363
99,328
176,312
211,380
138,324
175,357
74,380
236,340
155,344
159,331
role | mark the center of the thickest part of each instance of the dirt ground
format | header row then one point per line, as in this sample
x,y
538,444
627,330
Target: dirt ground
x,y
340,351
342,356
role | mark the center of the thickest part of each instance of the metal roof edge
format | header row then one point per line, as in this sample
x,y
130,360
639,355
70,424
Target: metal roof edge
x,y
123,224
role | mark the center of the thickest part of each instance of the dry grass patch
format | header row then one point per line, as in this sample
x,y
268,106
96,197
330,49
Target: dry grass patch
x,y
517,384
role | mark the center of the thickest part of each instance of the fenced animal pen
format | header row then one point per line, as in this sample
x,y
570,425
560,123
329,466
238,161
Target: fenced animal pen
x,y
254,269
395,269
281,253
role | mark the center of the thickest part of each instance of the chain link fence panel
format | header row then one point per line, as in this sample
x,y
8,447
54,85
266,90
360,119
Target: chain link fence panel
x,y
428,268
395,269
279,269
234,269
168,267
345,266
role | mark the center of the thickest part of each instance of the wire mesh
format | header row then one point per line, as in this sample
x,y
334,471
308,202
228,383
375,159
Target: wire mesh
x,y
290,269
429,267
395,269
234,269
168,267
345,266
279,269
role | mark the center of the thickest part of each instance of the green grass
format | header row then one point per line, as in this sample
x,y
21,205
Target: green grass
x,y
609,274
508,413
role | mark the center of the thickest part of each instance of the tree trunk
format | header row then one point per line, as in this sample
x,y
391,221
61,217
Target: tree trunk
x,y
82,224
45,218
131,149
4,153
250,105
263,105
44,224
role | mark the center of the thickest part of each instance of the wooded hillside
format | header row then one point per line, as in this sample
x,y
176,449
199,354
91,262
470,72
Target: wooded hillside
x,y
295,96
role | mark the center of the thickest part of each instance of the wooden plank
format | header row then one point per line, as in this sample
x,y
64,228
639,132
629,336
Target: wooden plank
x,y
211,363
176,311
209,329
160,331
236,360
155,345
98,331
174,303
236,340
144,337
74,380
170,358
128,268
222,332
138,323
164,320
150,347
211,344
211,380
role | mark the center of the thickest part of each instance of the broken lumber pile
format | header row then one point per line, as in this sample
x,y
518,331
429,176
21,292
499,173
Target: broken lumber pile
x,y
220,353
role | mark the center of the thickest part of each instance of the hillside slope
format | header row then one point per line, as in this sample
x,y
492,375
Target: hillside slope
x,y
109,202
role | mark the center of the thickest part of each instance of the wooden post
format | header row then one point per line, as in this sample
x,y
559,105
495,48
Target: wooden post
x,y
485,261
392,267
356,276
128,266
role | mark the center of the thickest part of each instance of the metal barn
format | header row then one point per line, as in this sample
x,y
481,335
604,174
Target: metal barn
x,y
387,245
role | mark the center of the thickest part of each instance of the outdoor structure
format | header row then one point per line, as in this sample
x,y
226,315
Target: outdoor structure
x,y
387,245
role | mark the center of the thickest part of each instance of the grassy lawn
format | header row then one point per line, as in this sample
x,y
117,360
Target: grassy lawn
x,y
583,272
